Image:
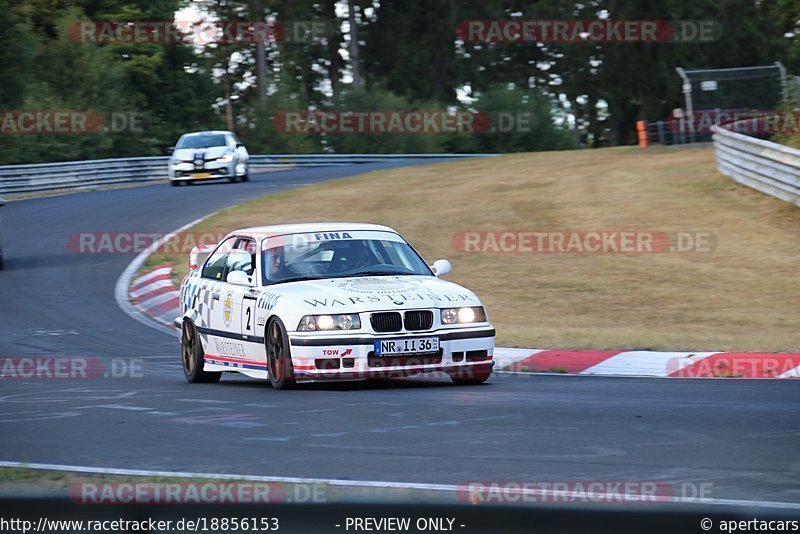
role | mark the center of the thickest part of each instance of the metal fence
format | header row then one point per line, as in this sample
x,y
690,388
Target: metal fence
x,y
768,167
101,172
671,132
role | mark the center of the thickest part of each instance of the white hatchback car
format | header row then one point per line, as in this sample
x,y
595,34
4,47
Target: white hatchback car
x,y
328,301
208,156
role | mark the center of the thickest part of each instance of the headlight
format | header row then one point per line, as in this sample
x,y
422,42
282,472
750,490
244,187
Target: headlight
x,y
227,158
313,323
475,314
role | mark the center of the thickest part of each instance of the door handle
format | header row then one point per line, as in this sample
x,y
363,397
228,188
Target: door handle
x,y
215,296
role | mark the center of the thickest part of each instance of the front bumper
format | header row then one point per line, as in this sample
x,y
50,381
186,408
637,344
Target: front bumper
x,y
210,170
347,357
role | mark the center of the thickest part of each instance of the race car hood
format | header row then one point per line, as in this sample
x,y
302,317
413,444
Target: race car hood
x,y
353,295
189,154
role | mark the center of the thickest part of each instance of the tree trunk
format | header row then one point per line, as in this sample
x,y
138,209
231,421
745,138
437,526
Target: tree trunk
x,y
226,86
334,43
261,54
354,48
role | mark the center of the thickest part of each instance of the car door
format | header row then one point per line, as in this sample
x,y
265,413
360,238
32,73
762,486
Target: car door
x,y
242,299
209,304
232,341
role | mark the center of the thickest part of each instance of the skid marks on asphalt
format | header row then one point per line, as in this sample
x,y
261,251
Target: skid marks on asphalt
x,y
304,437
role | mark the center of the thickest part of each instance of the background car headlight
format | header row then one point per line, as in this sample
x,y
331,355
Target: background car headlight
x,y
313,323
227,158
474,314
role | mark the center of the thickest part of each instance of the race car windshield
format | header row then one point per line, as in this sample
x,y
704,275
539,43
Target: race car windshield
x,y
202,141
340,258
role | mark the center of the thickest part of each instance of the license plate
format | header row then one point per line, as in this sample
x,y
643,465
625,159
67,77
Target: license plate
x,y
201,175
414,345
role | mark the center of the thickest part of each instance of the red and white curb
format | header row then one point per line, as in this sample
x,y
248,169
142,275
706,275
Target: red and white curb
x,y
640,363
154,295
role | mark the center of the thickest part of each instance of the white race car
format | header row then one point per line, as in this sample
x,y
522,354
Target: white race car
x,y
327,301
208,156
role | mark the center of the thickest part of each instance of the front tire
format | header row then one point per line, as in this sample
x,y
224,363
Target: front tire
x,y
192,356
279,356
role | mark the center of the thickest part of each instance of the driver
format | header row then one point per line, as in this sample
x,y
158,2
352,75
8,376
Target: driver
x,y
356,255
278,270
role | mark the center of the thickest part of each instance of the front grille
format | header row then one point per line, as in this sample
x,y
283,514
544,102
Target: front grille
x,y
386,322
419,320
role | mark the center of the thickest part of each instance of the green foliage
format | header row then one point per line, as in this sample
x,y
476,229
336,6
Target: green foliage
x,y
408,60
379,100
521,121
47,69
261,136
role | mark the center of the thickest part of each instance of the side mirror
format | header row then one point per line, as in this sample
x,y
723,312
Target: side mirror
x,y
170,150
441,267
238,278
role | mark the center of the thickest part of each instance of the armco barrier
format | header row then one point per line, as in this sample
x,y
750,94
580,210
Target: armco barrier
x,y
768,167
93,173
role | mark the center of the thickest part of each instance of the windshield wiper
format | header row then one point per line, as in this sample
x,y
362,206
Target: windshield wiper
x,y
380,273
299,279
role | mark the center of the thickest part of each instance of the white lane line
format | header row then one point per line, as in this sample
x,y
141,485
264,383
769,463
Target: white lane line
x,y
124,281
378,484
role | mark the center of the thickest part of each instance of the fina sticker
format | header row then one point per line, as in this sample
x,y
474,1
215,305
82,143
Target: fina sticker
x,y
332,236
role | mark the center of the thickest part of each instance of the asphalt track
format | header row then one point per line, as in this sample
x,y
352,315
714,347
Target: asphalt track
x,y
740,436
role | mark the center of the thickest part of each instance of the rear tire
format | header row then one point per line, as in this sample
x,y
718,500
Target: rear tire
x,y
192,356
279,356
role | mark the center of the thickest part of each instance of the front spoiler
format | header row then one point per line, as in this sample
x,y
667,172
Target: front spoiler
x,y
463,370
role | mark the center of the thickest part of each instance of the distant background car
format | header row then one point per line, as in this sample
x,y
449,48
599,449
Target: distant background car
x,y
207,156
